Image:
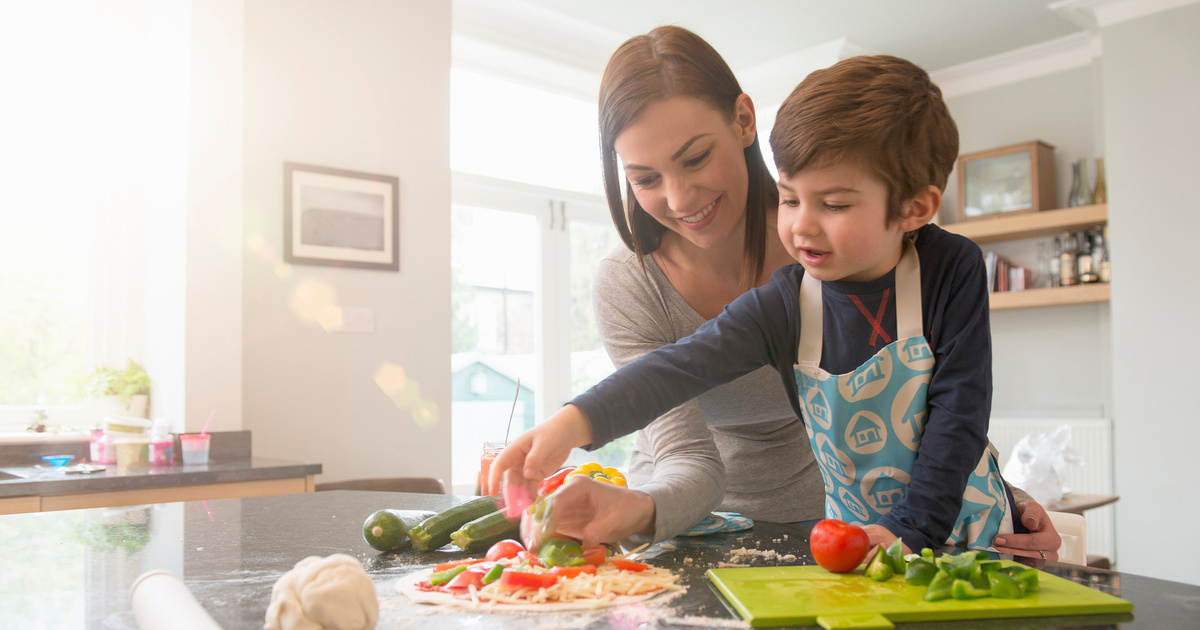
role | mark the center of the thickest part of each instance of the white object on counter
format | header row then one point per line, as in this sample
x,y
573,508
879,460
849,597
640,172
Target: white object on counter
x,y
333,593
161,601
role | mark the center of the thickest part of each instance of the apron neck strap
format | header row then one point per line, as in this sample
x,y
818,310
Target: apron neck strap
x,y
908,307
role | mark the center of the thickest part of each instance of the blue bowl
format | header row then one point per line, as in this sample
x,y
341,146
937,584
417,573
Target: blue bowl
x,y
58,461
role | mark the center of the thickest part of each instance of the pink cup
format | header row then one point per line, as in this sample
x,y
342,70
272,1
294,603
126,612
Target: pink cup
x,y
194,448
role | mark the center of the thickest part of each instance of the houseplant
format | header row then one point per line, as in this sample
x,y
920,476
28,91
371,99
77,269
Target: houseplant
x,y
125,392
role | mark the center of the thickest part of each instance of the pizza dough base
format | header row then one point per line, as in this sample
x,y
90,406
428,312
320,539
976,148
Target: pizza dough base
x,y
407,586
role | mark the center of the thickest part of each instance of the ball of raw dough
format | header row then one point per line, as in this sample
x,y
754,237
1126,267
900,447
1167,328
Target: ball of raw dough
x,y
324,593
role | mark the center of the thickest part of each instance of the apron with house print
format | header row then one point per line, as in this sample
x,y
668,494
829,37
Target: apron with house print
x,y
865,426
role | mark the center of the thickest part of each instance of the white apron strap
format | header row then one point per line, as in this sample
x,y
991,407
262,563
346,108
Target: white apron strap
x,y
812,315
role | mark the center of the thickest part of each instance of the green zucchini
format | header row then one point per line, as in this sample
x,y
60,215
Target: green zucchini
x,y
484,531
387,530
434,532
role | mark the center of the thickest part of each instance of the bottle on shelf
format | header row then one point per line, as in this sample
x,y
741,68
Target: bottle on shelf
x,y
1067,261
1081,191
1084,260
1100,193
1103,268
1054,278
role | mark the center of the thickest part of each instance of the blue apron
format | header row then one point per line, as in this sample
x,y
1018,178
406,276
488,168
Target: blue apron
x,y
865,426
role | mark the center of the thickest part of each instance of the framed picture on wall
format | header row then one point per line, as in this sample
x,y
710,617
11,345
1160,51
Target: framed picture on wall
x,y
340,218
1011,179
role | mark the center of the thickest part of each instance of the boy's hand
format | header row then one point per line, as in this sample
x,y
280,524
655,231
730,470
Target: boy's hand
x,y
538,452
880,535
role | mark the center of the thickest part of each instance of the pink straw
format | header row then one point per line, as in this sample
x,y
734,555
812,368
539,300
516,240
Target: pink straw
x,y
210,417
210,516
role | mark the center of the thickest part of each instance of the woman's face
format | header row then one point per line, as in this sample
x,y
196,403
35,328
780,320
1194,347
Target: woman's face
x,y
686,164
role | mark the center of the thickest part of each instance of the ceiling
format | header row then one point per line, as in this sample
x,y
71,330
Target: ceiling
x,y
935,34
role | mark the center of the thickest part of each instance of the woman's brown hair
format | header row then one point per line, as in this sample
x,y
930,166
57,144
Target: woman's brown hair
x,y
672,61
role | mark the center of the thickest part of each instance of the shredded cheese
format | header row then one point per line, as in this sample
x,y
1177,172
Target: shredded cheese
x,y
607,584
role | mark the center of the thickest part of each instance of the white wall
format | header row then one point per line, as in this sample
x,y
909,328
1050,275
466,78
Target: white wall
x,y
360,86
1151,91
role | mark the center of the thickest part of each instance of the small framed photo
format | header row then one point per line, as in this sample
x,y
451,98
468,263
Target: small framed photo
x,y
340,218
1006,180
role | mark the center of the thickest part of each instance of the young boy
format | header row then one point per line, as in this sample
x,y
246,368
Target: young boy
x,y
880,332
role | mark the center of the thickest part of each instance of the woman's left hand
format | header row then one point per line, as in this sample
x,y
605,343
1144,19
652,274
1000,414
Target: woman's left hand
x,y
1041,539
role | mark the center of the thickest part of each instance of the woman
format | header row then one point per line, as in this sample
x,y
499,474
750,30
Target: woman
x,y
697,216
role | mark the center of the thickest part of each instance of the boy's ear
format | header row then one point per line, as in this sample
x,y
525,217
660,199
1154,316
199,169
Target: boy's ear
x,y
921,208
744,118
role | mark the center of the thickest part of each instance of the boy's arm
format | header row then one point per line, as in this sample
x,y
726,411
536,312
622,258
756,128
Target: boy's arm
x,y
959,403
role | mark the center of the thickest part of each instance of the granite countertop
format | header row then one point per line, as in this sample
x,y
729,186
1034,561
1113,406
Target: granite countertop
x,y
75,568
45,481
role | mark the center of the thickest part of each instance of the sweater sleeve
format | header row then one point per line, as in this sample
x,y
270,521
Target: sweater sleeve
x,y
688,478
959,401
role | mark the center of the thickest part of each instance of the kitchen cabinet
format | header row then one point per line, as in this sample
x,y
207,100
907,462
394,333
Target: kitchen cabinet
x,y
1035,225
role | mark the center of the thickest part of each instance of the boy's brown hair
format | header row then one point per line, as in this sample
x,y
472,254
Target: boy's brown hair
x,y
880,111
673,61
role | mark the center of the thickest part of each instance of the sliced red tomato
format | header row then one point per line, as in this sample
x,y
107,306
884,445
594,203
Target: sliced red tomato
x,y
504,549
520,579
629,565
551,483
838,547
570,572
531,558
455,563
595,554
466,579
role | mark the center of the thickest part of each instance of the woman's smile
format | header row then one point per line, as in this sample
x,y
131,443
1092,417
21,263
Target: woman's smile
x,y
703,218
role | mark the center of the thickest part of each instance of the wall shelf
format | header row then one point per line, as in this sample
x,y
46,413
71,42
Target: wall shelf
x,y
1031,224
1057,296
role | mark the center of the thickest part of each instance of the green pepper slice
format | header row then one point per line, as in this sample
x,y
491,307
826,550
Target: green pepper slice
x,y
879,568
493,574
960,566
441,577
560,552
895,557
920,572
1004,586
940,588
963,589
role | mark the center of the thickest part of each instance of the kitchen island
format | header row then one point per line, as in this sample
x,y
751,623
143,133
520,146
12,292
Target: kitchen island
x,y
73,569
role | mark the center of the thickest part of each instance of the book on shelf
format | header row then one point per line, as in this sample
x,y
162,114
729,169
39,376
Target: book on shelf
x,y
1002,275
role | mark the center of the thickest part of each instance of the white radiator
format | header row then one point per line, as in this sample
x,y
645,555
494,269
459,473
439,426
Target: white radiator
x,y
1092,440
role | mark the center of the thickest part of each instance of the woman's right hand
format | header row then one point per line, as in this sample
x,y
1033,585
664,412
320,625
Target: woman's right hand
x,y
538,452
598,512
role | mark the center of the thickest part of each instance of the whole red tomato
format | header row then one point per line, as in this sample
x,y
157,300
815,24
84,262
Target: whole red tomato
x,y
838,547
504,549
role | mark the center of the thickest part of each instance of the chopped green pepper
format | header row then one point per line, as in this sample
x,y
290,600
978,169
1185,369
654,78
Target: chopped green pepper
x,y
895,557
879,568
1003,586
991,565
1028,579
560,552
441,577
493,574
960,566
963,589
920,572
940,588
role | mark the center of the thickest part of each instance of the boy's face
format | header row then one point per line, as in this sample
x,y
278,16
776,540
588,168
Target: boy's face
x,y
833,221
687,167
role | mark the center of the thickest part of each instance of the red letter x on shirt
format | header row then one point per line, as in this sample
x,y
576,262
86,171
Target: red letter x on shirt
x,y
877,320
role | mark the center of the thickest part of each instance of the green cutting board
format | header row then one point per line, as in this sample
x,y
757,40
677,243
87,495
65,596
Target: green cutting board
x,y
784,596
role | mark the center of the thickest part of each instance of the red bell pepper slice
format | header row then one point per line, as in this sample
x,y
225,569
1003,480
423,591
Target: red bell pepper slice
x,y
552,483
520,579
595,554
570,572
466,579
455,563
629,565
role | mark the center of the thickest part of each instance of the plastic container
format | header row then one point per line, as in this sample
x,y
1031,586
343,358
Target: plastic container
x,y
132,452
103,451
162,451
194,448
126,425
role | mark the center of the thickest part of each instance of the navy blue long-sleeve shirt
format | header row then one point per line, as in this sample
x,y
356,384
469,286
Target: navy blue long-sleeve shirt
x,y
762,327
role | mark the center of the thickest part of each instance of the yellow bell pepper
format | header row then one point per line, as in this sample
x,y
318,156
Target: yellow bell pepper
x,y
599,473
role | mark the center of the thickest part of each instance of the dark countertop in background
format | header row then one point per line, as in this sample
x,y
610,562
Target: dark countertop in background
x,y
74,568
45,481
